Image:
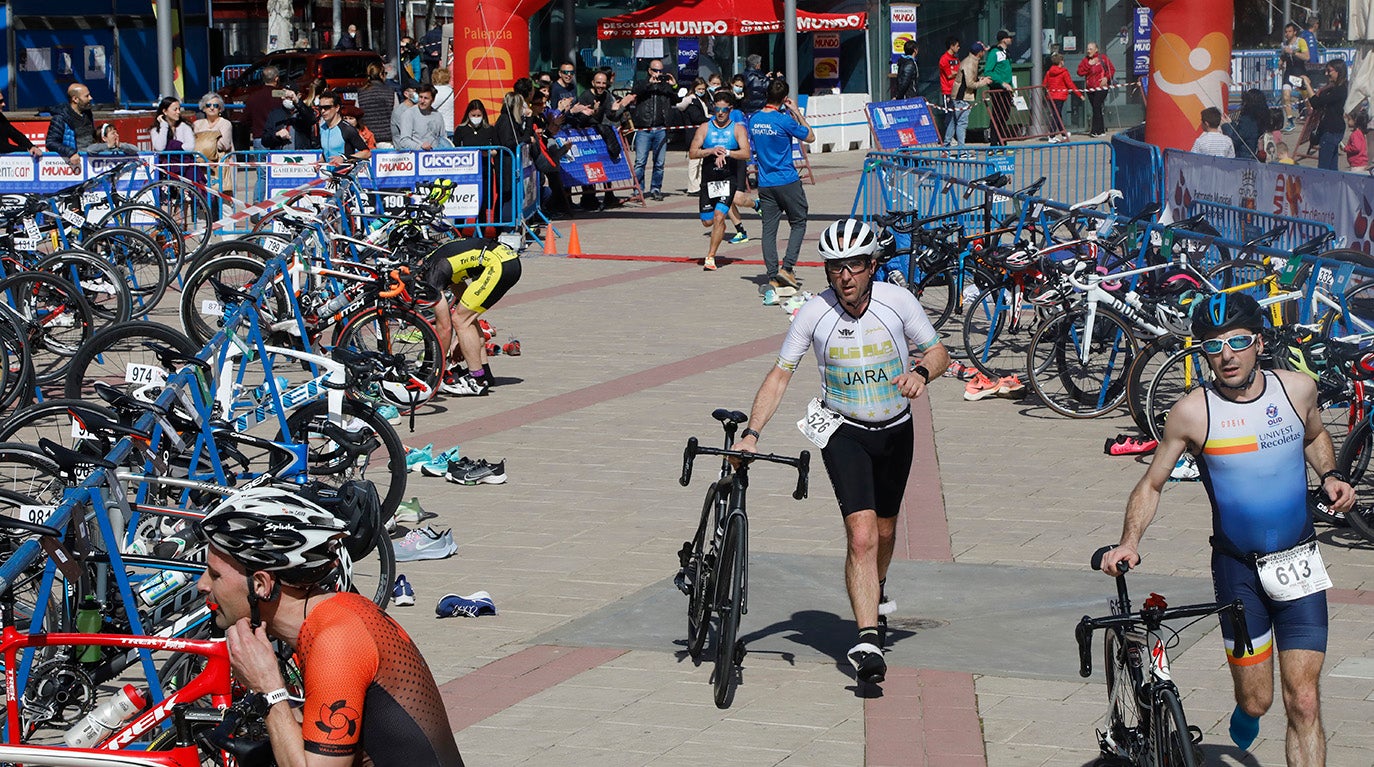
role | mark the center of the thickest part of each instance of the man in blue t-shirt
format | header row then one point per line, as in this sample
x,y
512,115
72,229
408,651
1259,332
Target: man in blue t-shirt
x,y
772,130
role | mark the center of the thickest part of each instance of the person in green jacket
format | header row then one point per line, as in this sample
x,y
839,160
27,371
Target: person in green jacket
x,y
997,67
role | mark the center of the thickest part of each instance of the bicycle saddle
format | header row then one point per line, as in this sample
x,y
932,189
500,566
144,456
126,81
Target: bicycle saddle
x,y
103,428
174,358
69,461
1092,202
1277,231
729,416
1315,245
122,402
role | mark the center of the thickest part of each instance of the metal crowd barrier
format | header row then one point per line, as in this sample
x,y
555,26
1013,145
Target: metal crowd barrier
x,y
907,181
1137,170
1075,171
1240,225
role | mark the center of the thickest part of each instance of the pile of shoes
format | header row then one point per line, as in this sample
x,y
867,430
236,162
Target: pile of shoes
x,y
455,468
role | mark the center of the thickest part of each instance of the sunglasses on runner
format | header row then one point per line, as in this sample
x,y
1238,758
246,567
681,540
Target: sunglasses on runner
x,y
855,265
1237,343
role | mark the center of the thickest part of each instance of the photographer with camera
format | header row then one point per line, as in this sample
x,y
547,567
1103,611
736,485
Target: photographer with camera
x,y
654,99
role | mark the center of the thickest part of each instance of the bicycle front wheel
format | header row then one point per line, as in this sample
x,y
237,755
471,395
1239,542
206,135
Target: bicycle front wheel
x,y
1184,370
1173,744
997,331
1077,373
1353,461
1123,734
729,604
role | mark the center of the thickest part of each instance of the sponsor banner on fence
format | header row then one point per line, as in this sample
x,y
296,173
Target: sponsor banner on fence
x,y
1343,200
898,124
825,60
55,173
1140,42
587,161
393,170
288,170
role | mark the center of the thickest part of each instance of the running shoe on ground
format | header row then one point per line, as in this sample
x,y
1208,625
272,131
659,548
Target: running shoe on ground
x,y
512,348
1010,385
481,472
465,386
402,595
886,606
417,458
409,512
980,387
770,297
739,238
709,264
868,662
471,606
425,543
1124,444
391,413
441,463
1289,125
788,278
1185,469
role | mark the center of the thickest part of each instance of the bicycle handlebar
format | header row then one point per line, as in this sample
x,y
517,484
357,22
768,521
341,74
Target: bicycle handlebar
x,y
1152,617
801,463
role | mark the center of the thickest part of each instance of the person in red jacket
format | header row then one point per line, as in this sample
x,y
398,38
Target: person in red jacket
x,y
1097,73
1058,85
949,67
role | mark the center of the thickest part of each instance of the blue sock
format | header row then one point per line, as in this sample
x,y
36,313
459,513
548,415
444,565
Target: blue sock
x,y
1244,728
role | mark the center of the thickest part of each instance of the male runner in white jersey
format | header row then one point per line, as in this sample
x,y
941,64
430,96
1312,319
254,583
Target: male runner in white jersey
x,y
1251,431
862,332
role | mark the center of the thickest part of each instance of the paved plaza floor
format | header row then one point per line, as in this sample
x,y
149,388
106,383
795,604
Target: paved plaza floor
x,y
585,663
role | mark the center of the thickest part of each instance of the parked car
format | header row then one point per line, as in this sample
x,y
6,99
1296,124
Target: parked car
x,y
345,71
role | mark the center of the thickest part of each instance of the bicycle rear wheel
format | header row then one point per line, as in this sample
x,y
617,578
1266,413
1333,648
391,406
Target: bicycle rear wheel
x,y
1183,371
118,356
729,584
1078,376
59,320
1143,369
384,464
1353,460
701,567
1173,744
998,333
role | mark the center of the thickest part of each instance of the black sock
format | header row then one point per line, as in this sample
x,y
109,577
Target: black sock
x,y
869,635
739,228
882,590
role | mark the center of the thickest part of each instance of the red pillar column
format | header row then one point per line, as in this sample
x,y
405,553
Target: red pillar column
x,y
491,50
1190,67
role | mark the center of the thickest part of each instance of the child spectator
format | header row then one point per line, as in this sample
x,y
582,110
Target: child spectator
x,y
1058,85
1213,141
1356,147
1282,155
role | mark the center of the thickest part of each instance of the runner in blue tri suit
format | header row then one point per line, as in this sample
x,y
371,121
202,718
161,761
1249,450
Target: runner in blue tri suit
x,y
862,333
722,145
1252,431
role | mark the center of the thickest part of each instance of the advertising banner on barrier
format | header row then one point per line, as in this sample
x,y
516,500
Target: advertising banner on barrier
x,y
1343,200
54,174
393,170
464,169
587,161
289,170
897,124
1140,42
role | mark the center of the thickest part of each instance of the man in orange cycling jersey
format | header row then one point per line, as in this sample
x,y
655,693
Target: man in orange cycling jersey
x,y
369,695
479,271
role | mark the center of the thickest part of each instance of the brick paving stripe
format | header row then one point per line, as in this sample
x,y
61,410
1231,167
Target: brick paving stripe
x,y
503,683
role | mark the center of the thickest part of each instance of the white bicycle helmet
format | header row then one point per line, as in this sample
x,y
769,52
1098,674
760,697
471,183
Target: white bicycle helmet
x,y
274,530
847,238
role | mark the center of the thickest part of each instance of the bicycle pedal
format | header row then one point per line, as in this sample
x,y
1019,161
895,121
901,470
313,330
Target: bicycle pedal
x,y
739,652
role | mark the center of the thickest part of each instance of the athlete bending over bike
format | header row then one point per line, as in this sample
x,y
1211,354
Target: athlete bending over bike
x,y
1251,431
861,332
368,691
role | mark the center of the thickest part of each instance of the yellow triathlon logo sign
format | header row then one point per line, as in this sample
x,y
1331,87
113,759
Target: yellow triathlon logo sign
x,y
858,352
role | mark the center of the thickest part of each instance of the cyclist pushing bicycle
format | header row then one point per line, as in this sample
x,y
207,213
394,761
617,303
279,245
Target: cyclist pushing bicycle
x,y
368,691
862,332
1251,431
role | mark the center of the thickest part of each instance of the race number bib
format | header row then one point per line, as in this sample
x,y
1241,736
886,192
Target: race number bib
x,y
717,189
820,423
1293,573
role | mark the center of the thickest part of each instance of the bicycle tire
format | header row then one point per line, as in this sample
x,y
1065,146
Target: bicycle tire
x,y
729,605
16,366
1357,317
1182,372
375,572
1353,460
138,256
385,467
156,224
99,281
43,299
27,471
24,591
997,335
1069,386
1123,707
246,246
702,574
198,300
50,418
379,329
109,354
1143,369
940,296
1173,744
175,197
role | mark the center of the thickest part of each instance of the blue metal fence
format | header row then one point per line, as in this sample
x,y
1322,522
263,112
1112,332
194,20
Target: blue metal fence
x,y
1137,171
1240,225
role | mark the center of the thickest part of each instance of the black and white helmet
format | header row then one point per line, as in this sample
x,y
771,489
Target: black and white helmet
x,y
847,238
277,531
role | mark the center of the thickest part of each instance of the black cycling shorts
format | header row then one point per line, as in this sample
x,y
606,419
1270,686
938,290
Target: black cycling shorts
x,y
869,467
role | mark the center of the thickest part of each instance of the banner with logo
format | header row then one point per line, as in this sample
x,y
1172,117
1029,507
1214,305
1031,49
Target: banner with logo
x,y
903,20
587,161
897,124
1343,200
1140,42
464,167
393,170
289,170
825,58
688,53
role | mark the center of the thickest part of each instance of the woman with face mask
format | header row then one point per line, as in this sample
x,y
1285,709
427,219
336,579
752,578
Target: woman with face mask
x,y
737,86
476,129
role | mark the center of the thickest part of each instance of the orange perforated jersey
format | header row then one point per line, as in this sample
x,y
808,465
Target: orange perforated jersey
x,y
368,690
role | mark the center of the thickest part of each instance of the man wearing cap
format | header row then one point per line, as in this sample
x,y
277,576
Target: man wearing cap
x,y
966,82
997,68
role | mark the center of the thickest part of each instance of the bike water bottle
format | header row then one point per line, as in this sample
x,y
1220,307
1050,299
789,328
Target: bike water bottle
x,y
106,718
335,304
88,621
160,586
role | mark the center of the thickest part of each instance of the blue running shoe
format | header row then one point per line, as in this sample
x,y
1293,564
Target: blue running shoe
x,y
416,459
1244,729
438,465
740,237
402,595
470,606
391,413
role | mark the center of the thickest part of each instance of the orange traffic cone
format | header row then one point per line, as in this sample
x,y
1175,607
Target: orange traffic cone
x,y
574,245
550,242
